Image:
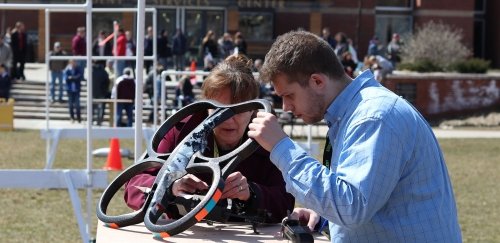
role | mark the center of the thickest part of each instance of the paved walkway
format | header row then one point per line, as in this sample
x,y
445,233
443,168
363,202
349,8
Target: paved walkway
x,y
320,131
316,131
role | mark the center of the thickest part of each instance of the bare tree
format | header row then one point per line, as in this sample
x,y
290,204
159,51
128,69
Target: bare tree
x,y
437,43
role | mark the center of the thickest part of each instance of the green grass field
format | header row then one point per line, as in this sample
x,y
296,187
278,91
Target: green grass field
x,y
47,215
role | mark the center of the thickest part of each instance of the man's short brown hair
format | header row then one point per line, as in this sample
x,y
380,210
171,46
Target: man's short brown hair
x,y
298,54
234,72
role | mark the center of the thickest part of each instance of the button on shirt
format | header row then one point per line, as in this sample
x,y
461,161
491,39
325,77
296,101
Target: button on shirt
x,y
388,181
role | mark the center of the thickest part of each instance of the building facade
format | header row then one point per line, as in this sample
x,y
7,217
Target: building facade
x,y
261,21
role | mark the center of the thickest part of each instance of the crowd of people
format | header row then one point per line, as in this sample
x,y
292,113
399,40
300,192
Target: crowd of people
x,y
13,50
382,60
172,52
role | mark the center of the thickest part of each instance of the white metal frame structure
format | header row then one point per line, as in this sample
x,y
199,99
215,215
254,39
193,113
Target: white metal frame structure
x,y
89,178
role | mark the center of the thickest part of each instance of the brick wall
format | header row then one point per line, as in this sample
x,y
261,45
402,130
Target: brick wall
x,y
446,95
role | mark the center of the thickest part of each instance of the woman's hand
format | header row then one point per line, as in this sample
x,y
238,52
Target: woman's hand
x,y
306,215
236,187
188,184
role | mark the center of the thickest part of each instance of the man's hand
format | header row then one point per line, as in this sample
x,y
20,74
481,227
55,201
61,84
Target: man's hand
x,y
305,215
188,184
236,186
266,130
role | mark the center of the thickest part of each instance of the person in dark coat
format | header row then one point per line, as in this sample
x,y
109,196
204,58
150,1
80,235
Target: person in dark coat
x,y
124,89
100,90
73,74
5,82
56,72
256,183
179,48
148,48
209,46
18,44
240,43
163,49
100,47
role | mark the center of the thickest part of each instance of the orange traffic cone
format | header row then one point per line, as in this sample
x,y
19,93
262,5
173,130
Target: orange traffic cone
x,y
193,68
114,161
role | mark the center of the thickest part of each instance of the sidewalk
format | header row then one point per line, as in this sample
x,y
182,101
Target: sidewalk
x,y
317,131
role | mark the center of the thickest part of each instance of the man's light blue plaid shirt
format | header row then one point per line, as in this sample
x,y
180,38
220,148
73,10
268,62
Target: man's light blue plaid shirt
x,y
388,181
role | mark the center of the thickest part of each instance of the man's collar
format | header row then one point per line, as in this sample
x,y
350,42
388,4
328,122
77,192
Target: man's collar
x,y
339,106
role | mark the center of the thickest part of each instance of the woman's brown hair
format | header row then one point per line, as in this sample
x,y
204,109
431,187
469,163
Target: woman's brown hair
x,y
234,72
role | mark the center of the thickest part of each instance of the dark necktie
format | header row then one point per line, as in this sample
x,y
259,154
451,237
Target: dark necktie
x,y
327,153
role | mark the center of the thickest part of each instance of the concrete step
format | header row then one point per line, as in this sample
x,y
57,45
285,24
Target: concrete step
x,y
30,101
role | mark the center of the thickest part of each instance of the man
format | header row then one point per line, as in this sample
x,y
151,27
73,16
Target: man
x,y
120,50
73,75
384,178
394,49
130,50
56,72
78,46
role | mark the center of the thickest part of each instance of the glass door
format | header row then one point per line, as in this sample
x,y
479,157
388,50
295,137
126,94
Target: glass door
x,y
166,20
197,23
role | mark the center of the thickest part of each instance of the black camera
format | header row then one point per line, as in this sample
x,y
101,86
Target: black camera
x,y
292,230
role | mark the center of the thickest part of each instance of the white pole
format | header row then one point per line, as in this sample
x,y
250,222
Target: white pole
x,y
162,94
139,66
47,65
155,75
115,68
88,8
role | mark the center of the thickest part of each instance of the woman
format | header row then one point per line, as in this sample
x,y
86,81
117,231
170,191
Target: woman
x,y
209,46
256,182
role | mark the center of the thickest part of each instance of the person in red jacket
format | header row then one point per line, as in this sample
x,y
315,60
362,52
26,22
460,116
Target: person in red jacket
x,y
79,46
121,47
256,182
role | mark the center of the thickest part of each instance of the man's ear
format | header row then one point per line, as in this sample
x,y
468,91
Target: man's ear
x,y
317,81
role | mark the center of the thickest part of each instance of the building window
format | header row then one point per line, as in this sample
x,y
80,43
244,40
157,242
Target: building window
x,y
479,6
395,3
257,26
165,20
393,16
479,37
386,25
197,23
